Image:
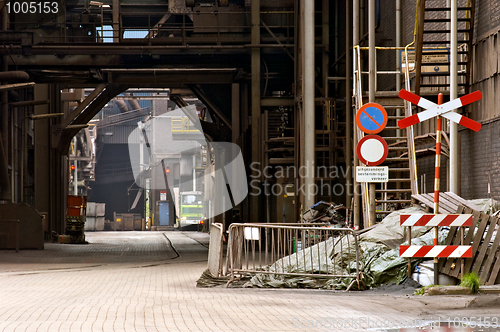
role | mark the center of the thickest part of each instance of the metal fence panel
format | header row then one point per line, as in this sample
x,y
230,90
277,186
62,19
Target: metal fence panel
x,y
312,250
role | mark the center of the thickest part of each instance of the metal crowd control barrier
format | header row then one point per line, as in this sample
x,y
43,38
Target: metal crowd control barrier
x,y
310,248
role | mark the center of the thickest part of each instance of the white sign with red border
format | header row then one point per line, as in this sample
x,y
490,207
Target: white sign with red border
x,y
372,150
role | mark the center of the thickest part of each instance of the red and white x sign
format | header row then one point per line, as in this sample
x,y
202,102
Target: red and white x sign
x,y
444,110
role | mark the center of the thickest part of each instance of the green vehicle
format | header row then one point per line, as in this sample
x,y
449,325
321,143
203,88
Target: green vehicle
x,y
191,208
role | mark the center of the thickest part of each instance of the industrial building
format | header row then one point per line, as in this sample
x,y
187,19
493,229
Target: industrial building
x,y
87,86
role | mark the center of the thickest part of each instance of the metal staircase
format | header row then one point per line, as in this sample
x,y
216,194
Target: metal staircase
x,y
401,158
432,65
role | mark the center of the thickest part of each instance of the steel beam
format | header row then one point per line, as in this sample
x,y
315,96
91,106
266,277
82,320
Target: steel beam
x,y
208,102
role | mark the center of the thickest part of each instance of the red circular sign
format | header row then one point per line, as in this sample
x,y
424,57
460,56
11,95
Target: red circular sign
x,y
371,118
372,150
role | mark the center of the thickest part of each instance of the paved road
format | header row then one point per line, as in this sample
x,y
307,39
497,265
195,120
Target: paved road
x,y
146,281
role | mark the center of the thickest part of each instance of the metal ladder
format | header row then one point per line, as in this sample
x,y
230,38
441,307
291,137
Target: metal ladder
x,y
432,66
401,158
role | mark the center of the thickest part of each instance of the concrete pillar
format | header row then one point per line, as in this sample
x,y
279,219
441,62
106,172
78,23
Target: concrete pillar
x,y
307,9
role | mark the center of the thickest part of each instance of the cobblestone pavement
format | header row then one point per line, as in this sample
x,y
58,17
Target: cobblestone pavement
x,y
146,281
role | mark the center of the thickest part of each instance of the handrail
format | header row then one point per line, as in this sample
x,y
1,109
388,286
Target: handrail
x,y
359,102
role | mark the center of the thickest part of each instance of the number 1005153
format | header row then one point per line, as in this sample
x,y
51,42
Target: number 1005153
x,y
32,7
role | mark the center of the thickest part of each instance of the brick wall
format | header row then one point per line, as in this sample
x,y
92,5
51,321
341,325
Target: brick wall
x,y
480,164
487,17
427,166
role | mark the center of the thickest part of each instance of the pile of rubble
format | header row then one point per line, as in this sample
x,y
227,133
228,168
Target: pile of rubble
x,y
323,212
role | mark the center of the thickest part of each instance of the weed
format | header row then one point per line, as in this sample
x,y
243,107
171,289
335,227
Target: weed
x,y
471,281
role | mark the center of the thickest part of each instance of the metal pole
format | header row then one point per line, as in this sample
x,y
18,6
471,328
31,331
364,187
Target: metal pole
x,y
348,108
398,56
75,177
255,101
371,89
355,42
439,127
454,151
308,100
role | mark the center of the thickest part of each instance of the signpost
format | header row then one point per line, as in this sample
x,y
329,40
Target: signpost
x,y
372,150
438,110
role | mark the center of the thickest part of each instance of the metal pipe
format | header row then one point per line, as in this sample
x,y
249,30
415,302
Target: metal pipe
x,y
14,76
371,89
348,107
398,56
75,176
255,99
454,151
355,42
308,99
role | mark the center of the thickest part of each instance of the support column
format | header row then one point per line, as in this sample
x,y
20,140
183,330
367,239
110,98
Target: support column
x,y
42,153
454,151
255,101
116,21
308,101
5,188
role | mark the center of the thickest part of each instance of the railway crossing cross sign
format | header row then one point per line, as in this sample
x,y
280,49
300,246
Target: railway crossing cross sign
x,y
438,110
445,110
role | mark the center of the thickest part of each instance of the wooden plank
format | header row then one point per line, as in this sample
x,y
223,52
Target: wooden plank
x,y
484,245
485,276
445,264
446,268
424,200
463,201
477,241
428,200
450,201
494,272
445,206
456,270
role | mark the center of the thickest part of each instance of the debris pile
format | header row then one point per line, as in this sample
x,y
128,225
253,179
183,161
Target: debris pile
x,y
323,212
